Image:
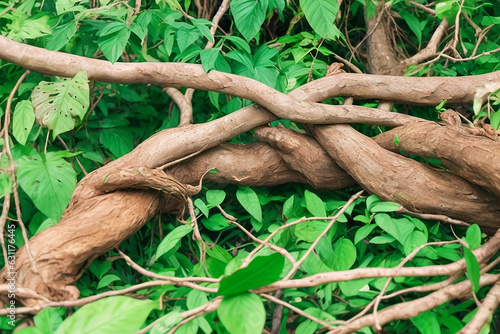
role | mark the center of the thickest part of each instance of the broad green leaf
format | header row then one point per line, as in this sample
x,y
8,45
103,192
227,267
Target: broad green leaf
x,y
414,240
117,314
202,206
167,322
321,16
61,35
473,236
263,270
113,38
382,239
25,27
351,288
49,181
385,207
314,204
172,239
495,120
413,23
398,228
310,230
60,105
118,140
5,182
46,224
472,268
344,254
363,232
215,197
250,201
196,298
215,222
249,15
107,280
371,201
243,313
22,121
240,43
427,323
208,58
186,36
49,319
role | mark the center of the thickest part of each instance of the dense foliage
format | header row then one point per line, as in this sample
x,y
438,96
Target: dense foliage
x,y
63,128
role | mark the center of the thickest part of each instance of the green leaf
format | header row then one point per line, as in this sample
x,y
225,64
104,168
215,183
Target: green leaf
x,y
113,39
107,280
472,268
414,240
263,270
344,254
186,36
398,228
61,35
495,120
215,197
240,43
363,232
167,322
202,206
413,23
208,58
385,207
172,239
249,15
60,105
22,121
117,314
49,319
310,230
243,313
26,27
215,222
314,204
118,140
473,236
250,201
427,322
49,181
321,16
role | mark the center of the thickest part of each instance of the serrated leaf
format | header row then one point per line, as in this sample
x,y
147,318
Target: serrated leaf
x,y
117,314
314,204
321,16
263,270
22,121
250,201
243,313
60,105
344,254
49,181
249,15
171,240
113,39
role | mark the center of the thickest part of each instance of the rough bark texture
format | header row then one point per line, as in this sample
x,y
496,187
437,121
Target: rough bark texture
x,y
111,203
